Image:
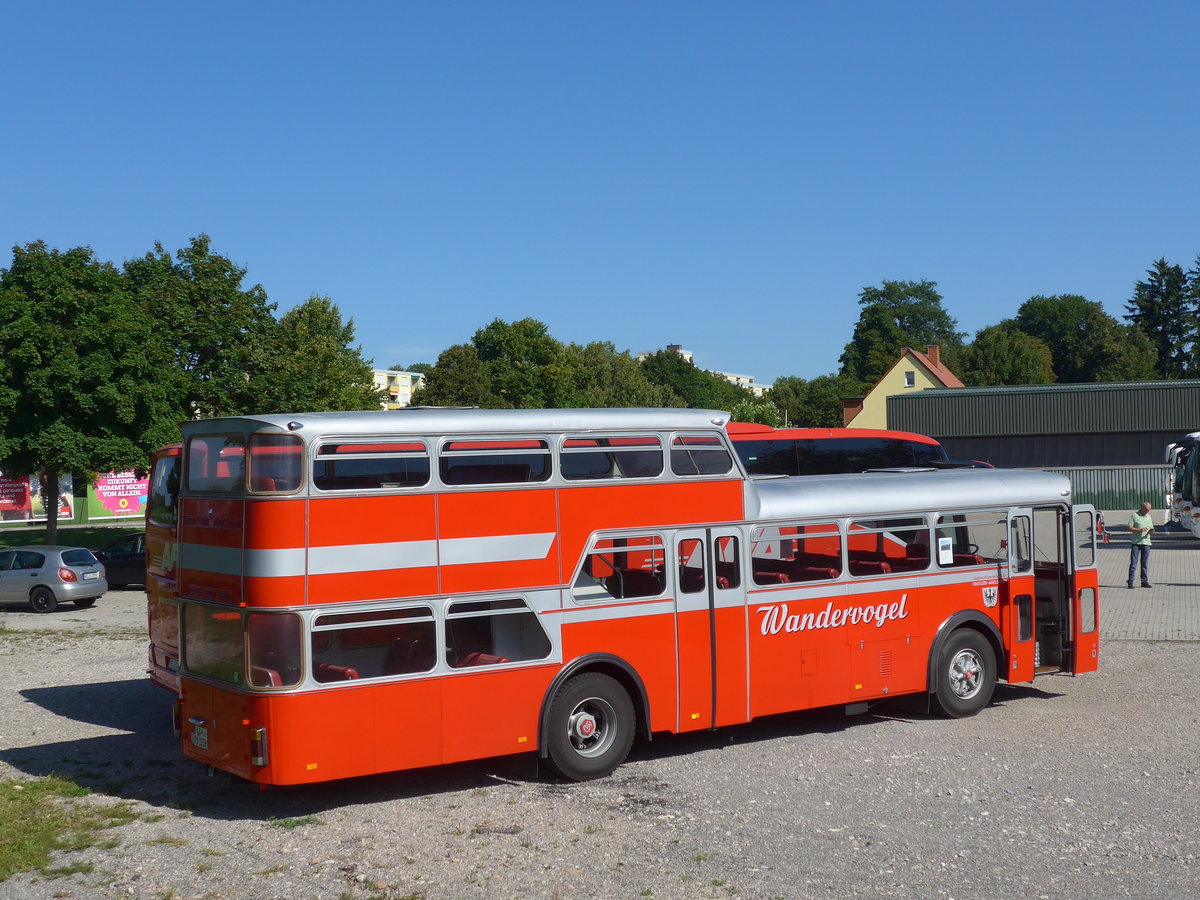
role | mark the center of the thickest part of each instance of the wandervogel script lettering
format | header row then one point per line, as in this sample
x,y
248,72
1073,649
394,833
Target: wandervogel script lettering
x,y
777,618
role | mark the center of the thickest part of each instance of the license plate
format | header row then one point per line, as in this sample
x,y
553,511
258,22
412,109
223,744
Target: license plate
x,y
199,737
91,576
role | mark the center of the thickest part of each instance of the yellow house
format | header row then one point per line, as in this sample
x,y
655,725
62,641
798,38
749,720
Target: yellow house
x,y
913,371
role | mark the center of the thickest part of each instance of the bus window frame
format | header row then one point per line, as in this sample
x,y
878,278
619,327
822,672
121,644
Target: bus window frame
x,y
237,485
301,457
317,457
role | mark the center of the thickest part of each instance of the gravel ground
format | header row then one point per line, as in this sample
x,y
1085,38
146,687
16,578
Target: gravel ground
x,y
1071,788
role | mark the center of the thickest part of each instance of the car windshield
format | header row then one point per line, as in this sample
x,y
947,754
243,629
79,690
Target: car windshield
x,y
78,557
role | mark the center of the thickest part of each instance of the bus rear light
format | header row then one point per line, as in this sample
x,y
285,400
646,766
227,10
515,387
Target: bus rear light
x,y
258,747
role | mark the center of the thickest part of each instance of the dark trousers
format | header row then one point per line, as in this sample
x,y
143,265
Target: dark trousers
x,y
1143,551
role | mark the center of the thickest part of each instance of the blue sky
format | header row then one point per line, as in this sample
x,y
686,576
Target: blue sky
x,y
725,176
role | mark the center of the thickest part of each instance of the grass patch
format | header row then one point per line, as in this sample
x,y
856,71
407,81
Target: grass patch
x,y
294,821
39,817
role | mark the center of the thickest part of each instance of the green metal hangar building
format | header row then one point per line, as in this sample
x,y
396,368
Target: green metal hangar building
x,y
1110,438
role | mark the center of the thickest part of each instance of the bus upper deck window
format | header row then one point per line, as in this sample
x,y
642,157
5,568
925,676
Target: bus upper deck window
x,y
216,463
504,461
275,463
699,454
637,456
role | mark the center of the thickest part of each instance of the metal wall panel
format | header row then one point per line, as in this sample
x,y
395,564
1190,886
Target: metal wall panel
x,y
1049,409
1118,487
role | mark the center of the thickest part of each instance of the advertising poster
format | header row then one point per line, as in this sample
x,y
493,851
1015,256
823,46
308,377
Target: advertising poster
x,y
24,499
117,495
16,499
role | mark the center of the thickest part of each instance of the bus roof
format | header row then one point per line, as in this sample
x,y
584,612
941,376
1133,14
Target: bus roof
x,y
899,491
442,420
749,431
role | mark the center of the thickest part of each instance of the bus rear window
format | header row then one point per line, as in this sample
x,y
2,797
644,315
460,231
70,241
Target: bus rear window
x,y
215,463
275,463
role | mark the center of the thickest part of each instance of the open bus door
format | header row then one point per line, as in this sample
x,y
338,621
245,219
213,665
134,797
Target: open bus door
x,y
1085,605
1016,614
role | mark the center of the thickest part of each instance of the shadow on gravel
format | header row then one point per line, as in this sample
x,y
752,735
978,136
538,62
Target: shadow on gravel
x,y
144,762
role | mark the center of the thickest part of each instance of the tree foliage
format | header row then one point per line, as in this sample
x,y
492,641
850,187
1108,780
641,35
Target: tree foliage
x,y
816,403
313,363
81,386
1164,308
694,387
896,315
219,332
1086,343
1004,354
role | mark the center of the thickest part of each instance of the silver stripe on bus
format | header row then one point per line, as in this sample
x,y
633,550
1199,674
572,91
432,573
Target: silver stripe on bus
x,y
340,559
371,557
495,548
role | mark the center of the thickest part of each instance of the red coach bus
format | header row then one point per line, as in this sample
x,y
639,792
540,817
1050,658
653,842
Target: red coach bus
x,y
367,592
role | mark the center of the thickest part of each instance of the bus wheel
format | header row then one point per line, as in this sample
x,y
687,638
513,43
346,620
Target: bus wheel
x,y
42,600
965,674
590,727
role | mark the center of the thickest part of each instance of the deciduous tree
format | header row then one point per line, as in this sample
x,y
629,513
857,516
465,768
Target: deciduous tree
x,y
218,331
314,364
1004,354
1086,343
82,384
896,315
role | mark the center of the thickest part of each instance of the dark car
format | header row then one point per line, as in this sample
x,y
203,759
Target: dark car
x,y
124,560
45,575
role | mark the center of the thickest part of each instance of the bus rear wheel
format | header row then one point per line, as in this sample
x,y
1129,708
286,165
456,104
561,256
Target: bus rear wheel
x,y
591,727
965,674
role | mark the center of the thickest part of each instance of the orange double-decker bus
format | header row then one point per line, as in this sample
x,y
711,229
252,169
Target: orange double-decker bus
x,y
340,594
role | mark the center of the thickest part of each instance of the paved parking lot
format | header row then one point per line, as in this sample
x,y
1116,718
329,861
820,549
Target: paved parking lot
x,y
1169,611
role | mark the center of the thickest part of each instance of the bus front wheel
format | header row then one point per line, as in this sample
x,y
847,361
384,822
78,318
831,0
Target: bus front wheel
x,y
965,674
591,727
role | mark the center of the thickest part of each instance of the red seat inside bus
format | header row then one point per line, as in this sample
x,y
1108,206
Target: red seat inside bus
x,y
326,672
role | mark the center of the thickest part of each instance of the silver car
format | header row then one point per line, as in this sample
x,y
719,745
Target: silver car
x,y
44,576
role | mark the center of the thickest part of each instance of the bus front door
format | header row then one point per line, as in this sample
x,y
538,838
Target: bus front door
x,y
1017,610
710,629
1085,611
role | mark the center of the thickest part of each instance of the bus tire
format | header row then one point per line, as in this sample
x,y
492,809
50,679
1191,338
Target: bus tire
x,y
591,726
965,675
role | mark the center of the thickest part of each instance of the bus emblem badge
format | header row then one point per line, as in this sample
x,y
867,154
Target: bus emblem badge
x,y
990,596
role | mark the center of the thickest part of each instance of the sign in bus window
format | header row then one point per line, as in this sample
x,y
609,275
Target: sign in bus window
x,y
491,632
275,463
592,458
622,568
699,454
495,462
215,463
214,643
785,554
370,466
971,539
350,646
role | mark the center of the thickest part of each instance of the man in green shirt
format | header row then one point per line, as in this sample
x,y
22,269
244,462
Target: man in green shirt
x,y
1140,526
